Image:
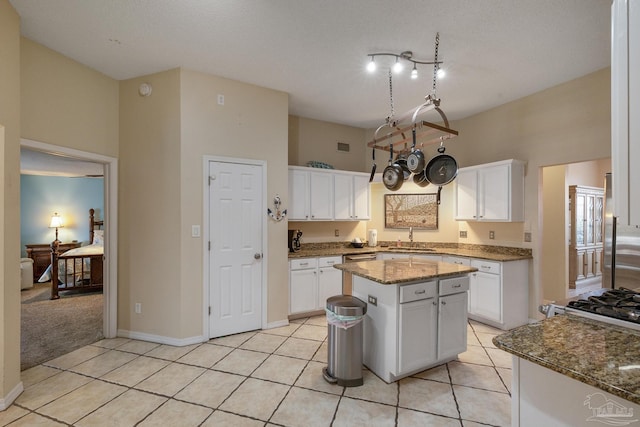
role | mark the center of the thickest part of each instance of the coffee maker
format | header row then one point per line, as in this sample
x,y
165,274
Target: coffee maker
x,y
294,240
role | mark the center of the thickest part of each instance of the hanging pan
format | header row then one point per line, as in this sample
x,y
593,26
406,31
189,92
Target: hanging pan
x,y
420,179
392,177
415,160
373,168
441,170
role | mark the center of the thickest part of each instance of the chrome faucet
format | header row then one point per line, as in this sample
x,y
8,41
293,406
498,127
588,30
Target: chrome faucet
x,y
411,236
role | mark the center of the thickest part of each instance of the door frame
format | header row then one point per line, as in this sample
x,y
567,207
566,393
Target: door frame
x,y
110,279
206,268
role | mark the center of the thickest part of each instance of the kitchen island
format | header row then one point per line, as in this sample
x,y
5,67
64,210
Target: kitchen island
x,y
416,313
572,371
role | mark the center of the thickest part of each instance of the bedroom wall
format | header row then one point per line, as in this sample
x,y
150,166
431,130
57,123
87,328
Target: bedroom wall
x,y
71,198
10,384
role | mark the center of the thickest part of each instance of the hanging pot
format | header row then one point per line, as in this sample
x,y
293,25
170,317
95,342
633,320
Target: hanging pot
x,y
415,160
441,170
420,179
373,168
401,159
392,177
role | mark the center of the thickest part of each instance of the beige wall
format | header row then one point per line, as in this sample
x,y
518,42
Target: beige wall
x,y
315,140
149,266
252,124
588,173
10,200
65,103
554,245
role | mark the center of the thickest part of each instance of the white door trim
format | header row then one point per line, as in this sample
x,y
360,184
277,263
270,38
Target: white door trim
x,y
205,234
110,288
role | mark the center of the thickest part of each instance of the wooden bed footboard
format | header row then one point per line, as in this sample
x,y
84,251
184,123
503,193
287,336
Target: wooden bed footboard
x,y
78,272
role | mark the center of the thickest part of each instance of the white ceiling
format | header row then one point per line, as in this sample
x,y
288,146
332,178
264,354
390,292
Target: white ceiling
x,y
494,51
40,163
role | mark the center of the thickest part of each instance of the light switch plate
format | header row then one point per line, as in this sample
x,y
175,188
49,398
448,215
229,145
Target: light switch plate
x,y
463,234
195,231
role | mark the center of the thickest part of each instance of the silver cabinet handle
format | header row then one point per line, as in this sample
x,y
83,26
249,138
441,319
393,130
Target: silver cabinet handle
x,y
257,256
304,263
456,286
434,303
444,302
420,292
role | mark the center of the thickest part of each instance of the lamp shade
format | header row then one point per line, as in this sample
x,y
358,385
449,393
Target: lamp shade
x,y
56,221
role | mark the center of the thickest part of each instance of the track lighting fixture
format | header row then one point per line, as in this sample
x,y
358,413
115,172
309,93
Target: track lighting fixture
x,y
397,67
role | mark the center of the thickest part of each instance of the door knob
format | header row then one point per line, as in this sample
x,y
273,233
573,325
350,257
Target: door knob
x,y
257,256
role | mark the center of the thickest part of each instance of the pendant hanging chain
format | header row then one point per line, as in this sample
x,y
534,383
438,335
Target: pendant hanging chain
x,y
435,66
390,118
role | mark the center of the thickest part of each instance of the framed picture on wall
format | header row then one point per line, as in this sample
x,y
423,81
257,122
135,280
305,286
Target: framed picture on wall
x,y
411,210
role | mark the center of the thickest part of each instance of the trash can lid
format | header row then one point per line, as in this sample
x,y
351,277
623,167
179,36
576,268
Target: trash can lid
x,y
346,305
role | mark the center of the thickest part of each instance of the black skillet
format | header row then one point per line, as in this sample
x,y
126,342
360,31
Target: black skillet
x,y
441,170
373,168
392,177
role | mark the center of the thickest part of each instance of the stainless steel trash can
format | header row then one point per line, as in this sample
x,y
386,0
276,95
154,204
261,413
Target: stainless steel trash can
x,y
345,315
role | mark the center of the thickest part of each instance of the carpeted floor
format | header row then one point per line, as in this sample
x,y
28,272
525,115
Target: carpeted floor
x,y
49,329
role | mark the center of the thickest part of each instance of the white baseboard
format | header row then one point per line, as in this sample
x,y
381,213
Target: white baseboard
x,y
159,339
277,324
6,401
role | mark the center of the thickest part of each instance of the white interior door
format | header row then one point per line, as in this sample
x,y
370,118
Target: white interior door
x,y
235,258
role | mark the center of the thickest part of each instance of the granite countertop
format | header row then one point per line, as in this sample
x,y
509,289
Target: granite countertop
x,y
392,272
493,253
595,353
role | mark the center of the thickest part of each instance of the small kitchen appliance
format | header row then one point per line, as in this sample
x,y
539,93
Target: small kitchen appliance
x,y
294,240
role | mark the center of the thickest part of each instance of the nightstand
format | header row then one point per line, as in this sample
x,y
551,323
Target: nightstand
x,y
40,253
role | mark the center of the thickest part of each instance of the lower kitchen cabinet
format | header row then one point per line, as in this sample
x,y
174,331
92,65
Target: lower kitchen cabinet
x,y
311,282
412,327
499,293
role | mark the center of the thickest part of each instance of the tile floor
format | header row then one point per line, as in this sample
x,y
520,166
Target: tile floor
x,y
263,378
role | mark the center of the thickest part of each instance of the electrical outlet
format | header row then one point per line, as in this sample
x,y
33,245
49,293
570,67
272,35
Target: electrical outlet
x,y
138,308
373,300
527,237
220,99
492,234
337,233
463,234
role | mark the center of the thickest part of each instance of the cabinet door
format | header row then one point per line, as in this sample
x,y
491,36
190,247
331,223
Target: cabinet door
x,y
329,284
417,334
494,195
597,262
466,190
598,216
303,290
485,296
321,196
452,325
361,209
298,195
343,197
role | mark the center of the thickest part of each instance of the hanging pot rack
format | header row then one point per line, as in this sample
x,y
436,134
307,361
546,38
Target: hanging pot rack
x,y
426,132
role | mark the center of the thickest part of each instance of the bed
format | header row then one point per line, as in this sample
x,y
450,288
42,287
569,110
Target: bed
x,y
79,268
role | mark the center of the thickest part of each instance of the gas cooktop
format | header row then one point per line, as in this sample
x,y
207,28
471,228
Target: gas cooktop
x,y
622,305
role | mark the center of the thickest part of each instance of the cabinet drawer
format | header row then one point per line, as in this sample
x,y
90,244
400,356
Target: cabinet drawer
x,y
303,263
456,260
454,285
329,261
418,291
486,266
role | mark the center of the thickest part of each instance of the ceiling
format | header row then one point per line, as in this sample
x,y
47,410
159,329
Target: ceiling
x,y
494,51
40,163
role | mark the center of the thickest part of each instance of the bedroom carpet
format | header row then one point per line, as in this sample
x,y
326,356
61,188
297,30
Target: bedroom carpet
x,y
49,329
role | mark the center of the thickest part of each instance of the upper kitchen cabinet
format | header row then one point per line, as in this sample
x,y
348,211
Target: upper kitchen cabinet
x,y
310,194
625,110
491,192
351,196
328,195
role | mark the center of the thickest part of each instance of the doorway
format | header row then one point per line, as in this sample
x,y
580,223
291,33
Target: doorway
x,y
234,238
110,167
556,229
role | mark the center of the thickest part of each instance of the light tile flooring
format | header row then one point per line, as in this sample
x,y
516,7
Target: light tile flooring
x,y
265,378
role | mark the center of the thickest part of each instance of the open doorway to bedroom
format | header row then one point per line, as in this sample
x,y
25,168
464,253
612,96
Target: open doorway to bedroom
x,y
61,184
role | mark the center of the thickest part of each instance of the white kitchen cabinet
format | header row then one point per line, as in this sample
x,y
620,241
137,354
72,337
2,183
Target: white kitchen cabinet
x,y
310,195
456,260
499,293
329,279
405,255
491,192
311,282
412,327
625,110
351,196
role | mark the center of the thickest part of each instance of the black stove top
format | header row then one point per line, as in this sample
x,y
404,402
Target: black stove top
x,y
622,304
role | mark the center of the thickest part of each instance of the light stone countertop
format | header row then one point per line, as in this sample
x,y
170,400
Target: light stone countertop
x,y
595,353
398,271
